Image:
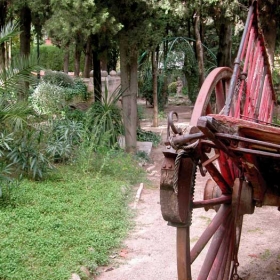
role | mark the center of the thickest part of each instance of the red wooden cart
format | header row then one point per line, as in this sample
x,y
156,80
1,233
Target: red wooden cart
x,y
231,137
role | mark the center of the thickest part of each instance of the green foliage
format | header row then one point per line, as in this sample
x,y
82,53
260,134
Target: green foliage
x,y
48,99
13,115
146,88
9,31
28,155
142,157
104,119
58,78
52,95
172,88
75,115
118,164
65,136
79,89
140,112
5,167
51,57
162,115
143,135
12,78
50,229
20,142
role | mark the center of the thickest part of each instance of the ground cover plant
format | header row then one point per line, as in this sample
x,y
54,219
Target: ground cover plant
x,y
51,228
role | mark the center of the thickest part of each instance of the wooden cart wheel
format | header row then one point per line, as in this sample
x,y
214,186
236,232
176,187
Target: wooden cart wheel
x,y
225,228
212,95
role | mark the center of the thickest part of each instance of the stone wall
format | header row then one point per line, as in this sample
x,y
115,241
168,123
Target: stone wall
x,y
110,81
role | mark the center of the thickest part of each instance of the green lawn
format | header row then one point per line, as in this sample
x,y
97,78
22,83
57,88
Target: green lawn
x,y
50,229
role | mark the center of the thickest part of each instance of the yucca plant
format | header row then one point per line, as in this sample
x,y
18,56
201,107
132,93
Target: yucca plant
x,y
104,119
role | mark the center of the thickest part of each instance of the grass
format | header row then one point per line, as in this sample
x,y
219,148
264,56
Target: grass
x,y
50,229
206,219
265,255
254,230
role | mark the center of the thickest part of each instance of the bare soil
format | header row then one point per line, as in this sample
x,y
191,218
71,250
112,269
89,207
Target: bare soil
x,y
149,251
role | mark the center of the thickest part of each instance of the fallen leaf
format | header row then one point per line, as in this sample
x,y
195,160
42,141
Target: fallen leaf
x,y
253,255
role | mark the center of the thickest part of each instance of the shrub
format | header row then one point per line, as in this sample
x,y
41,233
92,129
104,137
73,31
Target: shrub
x,y
143,135
58,78
53,93
79,89
28,155
51,57
76,115
48,99
172,88
65,135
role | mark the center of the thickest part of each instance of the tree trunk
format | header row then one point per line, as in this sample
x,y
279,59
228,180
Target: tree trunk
x,y
225,44
165,81
66,60
129,85
3,13
96,70
77,61
2,56
155,89
113,56
8,53
104,61
269,22
25,40
199,49
88,58
25,26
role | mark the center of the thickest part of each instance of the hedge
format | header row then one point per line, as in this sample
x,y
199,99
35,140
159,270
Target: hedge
x,y
51,57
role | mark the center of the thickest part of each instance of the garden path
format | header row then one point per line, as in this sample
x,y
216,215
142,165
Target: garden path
x,y
149,251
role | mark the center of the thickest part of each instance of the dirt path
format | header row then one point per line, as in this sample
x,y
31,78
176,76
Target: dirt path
x,y
149,252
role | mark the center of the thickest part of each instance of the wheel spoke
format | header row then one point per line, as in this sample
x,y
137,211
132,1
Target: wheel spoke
x,y
218,267
226,264
183,253
210,231
213,249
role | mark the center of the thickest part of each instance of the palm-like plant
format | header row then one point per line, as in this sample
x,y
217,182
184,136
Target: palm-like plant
x,y
14,112
20,70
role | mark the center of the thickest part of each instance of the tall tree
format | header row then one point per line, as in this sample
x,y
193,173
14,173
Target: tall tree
x,y
140,29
